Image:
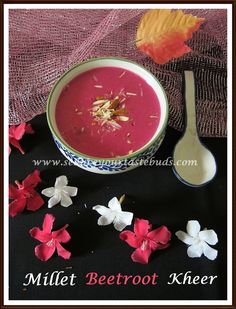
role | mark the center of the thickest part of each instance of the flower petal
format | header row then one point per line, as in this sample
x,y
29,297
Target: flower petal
x,y
155,246
209,236
160,235
102,210
122,220
42,236
65,200
195,251
19,131
71,191
61,235
131,239
17,206
209,252
54,200
61,182
44,252
11,130
16,144
32,179
141,256
193,228
48,223
65,254
29,129
14,193
49,192
141,227
34,202
184,237
106,219
114,204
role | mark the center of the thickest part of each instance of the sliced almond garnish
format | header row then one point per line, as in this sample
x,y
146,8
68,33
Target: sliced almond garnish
x,y
108,112
106,105
95,78
123,118
153,116
131,93
122,74
99,102
115,124
121,91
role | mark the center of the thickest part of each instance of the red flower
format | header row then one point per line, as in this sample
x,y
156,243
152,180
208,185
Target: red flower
x,y
50,240
25,195
16,133
144,240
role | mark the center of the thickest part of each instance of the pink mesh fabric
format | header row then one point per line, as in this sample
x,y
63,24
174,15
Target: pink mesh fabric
x,y
45,43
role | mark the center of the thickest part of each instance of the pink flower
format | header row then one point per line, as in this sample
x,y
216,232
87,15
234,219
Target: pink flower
x,y
24,195
144,240
50,240
16,133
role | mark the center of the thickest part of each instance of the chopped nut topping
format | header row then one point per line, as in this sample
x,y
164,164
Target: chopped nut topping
x,y
95,78
108,112
100,98
123,118
131,93
100,102
122,74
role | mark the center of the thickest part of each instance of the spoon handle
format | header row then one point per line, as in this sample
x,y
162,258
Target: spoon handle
x,y
190,102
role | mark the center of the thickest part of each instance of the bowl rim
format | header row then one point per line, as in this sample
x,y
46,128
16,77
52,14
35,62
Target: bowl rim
x,y
99,159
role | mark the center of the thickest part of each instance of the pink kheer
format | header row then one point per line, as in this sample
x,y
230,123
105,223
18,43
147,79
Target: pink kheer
x,y
107,112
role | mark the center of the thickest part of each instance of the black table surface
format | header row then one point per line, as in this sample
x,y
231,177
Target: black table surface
x,y
152,193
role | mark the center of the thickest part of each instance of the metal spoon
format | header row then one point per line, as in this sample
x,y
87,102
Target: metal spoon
x,y
194,164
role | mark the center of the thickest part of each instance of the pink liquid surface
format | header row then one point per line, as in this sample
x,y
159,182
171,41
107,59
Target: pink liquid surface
x,y
78,128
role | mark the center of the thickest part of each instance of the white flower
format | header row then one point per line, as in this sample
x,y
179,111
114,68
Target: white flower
x,y
198,240
60,193
114,214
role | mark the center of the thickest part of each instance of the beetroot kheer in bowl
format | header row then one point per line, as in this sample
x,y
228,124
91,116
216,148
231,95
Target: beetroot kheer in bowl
x,y
107,115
